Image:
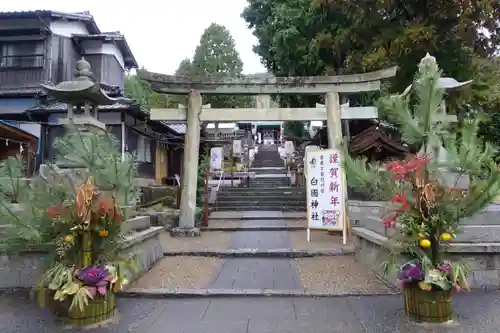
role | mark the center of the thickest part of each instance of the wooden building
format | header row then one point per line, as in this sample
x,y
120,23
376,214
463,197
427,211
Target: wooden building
x,y
377,144
15,141
42,47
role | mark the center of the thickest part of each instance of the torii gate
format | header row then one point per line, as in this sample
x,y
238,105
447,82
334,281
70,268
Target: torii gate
x,y
195,113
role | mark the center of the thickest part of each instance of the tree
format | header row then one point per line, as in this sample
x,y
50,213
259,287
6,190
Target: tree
x,y
295,129
141,92
302,37
290,41
137,90
387,32
185,68
216,57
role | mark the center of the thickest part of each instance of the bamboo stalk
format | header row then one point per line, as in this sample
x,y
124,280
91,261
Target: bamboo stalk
x,y
87,249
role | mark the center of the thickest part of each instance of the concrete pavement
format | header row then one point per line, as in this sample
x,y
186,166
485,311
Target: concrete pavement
x,y
259,273
476,313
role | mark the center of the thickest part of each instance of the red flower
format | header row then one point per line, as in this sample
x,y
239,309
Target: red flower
x,y
397,170
54,211
389,220
403,200
117,218
402,169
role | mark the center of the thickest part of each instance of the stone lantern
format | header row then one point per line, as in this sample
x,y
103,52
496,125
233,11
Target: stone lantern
x,y
83,95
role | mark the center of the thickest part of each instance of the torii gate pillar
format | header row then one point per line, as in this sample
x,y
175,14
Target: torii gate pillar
x,y
333,119
190,172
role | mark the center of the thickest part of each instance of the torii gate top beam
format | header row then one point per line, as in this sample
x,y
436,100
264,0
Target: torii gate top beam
x,y
353,83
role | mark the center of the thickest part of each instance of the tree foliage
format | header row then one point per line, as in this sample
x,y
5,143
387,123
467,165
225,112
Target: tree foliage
x,y
318,37
301,37
216,57
295,129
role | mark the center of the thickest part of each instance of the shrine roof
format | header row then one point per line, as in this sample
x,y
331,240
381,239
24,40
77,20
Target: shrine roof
x,y
375,137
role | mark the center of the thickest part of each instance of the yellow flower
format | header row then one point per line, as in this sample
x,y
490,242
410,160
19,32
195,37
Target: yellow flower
x,y
425,243
68,238
425,286
446,236
103,233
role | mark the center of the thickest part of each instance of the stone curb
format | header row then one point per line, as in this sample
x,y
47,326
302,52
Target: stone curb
x,y
254,228
188,293
258,253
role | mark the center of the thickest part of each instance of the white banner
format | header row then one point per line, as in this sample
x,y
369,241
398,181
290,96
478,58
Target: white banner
x,y
237,149
325,190
216,157
289,147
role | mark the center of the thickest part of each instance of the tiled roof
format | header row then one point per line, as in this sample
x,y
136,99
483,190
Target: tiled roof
x,y
34,14
16,128
20,91
59,106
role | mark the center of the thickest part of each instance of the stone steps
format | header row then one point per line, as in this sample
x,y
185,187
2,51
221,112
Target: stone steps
x,y
259,201
261,192
283,208
261,184
272,171
262,196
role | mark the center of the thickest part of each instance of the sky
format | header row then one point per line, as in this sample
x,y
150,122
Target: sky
x,y
160,33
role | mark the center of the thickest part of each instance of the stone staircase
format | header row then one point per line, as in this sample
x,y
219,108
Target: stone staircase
x,y
267,157
270,190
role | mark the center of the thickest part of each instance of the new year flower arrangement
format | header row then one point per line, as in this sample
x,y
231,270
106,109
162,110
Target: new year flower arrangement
x,y
426,202
74,216
87,223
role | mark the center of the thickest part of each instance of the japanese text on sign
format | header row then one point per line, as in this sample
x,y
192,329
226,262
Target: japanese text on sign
x,y
325,193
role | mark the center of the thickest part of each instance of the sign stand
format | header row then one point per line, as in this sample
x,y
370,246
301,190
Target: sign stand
x,y
326,192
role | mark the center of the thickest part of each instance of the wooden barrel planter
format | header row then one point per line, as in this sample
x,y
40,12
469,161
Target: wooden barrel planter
x,y
98,310
428,306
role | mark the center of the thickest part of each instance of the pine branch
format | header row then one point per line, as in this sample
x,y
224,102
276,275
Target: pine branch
x,y
396,109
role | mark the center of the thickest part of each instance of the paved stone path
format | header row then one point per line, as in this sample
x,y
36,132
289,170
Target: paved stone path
x,y
476,313
259,273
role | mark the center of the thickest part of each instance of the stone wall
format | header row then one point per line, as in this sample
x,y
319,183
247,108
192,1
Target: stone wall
x,y
24,271
151,194
478,242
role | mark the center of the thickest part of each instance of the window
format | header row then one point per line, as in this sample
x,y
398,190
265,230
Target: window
x,y
143,149
22,54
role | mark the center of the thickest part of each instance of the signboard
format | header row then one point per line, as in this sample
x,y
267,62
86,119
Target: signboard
x,y
289,147
251,154
216,157
237,147
281,151
325,191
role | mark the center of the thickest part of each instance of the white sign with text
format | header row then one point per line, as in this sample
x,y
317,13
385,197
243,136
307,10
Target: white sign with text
x,y
325,191
216,157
